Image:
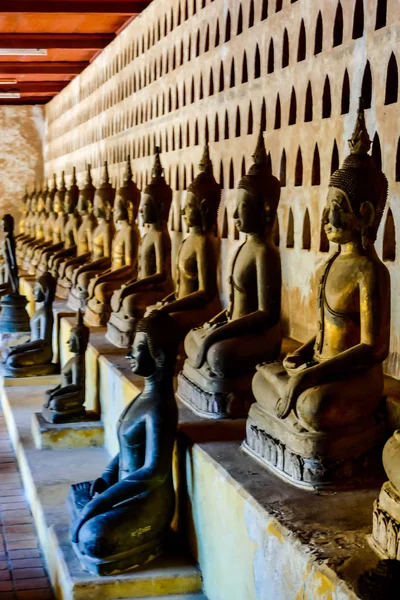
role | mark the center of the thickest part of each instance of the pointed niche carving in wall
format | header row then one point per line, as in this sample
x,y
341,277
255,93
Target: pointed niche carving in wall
x,y
376,151
275,231
298,175
358,19
271,58
283,169
308,110
366,88
306,236
335,158
319,34
392,81
290,230
293,108
389,238
301,49
316,168
338,26
345,103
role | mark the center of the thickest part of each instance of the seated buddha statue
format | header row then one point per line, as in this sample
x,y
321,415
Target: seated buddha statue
x,y
58,228
122,519
99,244
25,208
38,222
10,283
71,220
153,281
29,234
66,402
83,238
386,516
195,298
317,419
124,251
48,228
35,357
222,354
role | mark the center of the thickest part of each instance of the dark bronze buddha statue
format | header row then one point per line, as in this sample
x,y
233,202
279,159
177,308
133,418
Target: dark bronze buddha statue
x,y
66,402
154,279
223,353
122,519
100,241
124,253
317,418
71,220
35,357
196,298
82,252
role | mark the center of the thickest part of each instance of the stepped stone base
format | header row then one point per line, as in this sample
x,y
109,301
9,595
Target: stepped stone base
x,y
84,433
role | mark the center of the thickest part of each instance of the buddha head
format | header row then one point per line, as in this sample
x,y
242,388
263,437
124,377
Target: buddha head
x,y
25,202
203,197
155,345
86,194
49,195
33,202
258,194
7,224
104,196
44,290
357,193
71,195
41,197
157,197
127,198
79,337
59,197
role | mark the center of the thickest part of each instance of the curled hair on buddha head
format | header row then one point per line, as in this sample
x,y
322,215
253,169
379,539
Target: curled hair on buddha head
x,y
159,190
48,284
81,333
263,187
162,334
206,191
360,180
128,195
8,223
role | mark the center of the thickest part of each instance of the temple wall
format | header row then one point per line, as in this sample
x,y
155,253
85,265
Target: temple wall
x,y
190,70
21,153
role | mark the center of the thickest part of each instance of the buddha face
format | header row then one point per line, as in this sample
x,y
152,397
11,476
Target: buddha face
x,y
148,209
191,211
49,202
142,362
69,203
99,209
247,215
120,214
57,205
41,205
73,344
340,223
38,294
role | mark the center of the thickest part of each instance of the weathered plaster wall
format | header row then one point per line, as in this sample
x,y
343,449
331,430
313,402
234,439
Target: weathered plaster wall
x,y
21,153
190,70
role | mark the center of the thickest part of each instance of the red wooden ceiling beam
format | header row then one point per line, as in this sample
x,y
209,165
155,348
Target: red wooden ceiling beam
x,y
42,68
81,41
35,87
119,7
28,100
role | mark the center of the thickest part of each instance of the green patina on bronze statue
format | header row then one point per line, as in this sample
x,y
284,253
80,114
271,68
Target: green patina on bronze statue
x,y
317,418
122,519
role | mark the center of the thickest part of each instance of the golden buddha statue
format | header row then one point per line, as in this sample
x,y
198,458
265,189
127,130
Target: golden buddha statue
x,y
83,237
153,281
386,516
222,354
46,222
317,419
124,251
195,298
39,224
71,222
57,227
25,208
99,244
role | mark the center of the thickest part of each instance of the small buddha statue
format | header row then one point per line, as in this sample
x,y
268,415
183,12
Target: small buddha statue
x,y
57,227
71,222
83,238
195,298
22,225
48,228
35,357
317,418
154,279
100,244
66,402
124,251
29,233
38,222
386,516
222,354
122,519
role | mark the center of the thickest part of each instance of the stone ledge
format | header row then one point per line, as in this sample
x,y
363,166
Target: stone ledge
x,y
84,433
47,476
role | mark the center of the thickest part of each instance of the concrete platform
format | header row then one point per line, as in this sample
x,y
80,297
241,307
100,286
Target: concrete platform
x,y
85,433
47,476
47,381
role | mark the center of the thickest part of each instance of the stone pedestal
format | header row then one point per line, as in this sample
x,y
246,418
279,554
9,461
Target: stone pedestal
x,y
84,433
49,380
13,316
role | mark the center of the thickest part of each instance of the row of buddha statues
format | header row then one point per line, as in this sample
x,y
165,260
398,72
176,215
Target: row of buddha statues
x,y
316,419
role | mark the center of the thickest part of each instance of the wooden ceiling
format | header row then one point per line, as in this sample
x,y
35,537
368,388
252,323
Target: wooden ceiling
x,y
73,31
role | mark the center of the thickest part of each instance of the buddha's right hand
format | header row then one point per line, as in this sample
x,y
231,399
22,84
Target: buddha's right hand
x,y
293,361
99,486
